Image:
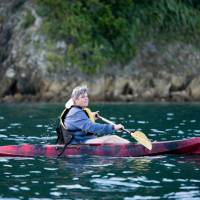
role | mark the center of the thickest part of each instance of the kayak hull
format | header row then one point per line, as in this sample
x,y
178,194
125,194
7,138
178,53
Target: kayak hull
x,y
187,146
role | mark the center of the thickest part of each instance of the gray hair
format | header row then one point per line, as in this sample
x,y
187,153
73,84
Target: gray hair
x,y
78,91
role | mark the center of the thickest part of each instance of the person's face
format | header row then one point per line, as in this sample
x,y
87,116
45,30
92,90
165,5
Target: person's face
x,y
82,100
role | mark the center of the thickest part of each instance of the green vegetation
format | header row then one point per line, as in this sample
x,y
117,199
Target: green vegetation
x,y
28,20
98,32
55,60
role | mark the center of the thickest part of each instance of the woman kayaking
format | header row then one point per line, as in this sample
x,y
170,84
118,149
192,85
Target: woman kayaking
x,y
78,123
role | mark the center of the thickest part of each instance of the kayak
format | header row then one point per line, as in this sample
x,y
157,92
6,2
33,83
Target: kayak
x,y
180,147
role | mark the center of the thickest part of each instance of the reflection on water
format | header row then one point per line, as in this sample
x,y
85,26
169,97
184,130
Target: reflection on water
x,y
83,177
96,177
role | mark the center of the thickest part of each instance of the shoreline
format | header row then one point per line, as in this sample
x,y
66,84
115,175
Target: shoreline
x,y
24,99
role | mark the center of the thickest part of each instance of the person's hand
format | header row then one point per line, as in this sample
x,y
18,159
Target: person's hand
x,y
118,127
95,115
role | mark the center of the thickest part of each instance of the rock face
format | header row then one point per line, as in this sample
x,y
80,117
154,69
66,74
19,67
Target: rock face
x,y
20,72
159,72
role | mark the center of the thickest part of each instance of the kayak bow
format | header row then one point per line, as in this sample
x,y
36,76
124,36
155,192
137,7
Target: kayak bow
x,y
186,146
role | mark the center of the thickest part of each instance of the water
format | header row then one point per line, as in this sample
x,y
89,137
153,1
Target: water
x,y
84,177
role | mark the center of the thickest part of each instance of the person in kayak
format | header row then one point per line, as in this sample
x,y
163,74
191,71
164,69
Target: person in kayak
x,y
81,124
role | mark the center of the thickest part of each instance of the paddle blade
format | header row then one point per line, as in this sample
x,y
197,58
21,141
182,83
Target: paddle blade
x,y
142,139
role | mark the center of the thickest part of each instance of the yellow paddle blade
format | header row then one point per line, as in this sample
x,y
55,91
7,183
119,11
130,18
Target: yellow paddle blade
x,y
142,139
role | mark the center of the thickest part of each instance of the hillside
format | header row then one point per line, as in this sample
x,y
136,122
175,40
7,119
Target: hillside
x,y
123,50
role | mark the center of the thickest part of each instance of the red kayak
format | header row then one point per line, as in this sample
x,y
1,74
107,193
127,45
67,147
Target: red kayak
x,y
186,146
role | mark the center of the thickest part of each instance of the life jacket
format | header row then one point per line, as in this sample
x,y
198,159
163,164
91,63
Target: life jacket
x,y
89,114
64,136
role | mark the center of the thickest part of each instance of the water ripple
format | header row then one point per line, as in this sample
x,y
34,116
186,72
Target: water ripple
x,y
138,197
56,194
15,124
25,188
157,131
75,186
114,182
188,195
1,135
13,188
142,122
50,169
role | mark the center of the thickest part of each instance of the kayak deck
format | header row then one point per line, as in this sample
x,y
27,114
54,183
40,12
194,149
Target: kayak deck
x,y
186,146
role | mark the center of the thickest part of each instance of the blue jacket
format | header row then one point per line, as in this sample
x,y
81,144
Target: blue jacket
x,y
78,123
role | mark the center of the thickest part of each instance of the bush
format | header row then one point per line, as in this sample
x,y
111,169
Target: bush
x,y
57,63
28,20
98,31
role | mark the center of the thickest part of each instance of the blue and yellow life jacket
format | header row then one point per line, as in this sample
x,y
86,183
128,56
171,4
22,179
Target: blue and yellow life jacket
x,y
64,136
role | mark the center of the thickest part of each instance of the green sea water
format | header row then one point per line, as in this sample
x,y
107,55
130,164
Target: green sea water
x,y
84,177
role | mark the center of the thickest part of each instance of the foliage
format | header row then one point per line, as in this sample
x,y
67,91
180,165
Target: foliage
x,y
55,60
28,20
99,31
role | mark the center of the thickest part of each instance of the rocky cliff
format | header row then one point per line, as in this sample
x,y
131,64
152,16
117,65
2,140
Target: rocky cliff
x,y
159,71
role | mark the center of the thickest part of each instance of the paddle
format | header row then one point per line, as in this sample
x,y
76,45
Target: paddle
x,y
138,135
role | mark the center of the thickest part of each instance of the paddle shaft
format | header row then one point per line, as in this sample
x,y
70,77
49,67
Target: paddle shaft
x,y
110,122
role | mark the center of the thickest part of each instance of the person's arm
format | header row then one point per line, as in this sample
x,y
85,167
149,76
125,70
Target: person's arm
x,y
81,121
